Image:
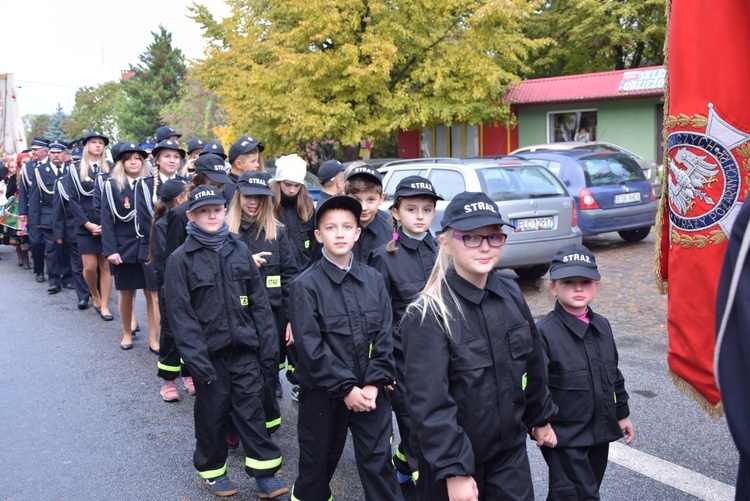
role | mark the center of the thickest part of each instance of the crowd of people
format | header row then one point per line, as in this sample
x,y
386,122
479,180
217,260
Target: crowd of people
x,y
366,311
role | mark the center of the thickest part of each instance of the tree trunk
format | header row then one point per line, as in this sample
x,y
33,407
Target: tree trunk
x,y
350,153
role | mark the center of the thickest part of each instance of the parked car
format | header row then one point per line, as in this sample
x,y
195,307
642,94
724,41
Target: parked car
x,y
651,170
311,180
531,198
610,190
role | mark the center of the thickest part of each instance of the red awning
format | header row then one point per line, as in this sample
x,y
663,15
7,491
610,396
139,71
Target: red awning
x,y
591,86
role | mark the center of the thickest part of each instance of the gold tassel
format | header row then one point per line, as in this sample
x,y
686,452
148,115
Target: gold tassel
x,y
661,282
712,411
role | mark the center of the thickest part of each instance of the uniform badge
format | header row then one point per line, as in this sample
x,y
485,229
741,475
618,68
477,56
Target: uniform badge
x,y
127,203
47,169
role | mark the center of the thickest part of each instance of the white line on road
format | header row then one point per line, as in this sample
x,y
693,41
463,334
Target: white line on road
x,y
670,474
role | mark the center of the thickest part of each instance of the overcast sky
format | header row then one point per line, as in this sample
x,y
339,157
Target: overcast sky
x,y
54,48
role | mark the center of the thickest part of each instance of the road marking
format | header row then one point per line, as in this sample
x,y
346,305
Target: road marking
x,y
670,474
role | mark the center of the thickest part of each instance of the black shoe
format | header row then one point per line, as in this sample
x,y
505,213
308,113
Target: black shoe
x,y
128,346
53,289
98,309
40,278
69,286
107,318
83,304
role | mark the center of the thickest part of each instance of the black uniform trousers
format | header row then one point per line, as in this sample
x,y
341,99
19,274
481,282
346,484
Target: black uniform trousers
x,y
505,476
576,473
70,248
36,246
404,459
322,426
170,365
57,259
237,389
270,404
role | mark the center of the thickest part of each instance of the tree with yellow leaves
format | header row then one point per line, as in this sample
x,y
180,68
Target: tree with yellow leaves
x,y
294,72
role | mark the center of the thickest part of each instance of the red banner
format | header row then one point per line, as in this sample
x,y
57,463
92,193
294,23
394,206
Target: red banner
x,y
707,173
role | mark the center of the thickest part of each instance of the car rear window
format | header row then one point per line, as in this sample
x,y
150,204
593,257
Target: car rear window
x,y
604,170
507,183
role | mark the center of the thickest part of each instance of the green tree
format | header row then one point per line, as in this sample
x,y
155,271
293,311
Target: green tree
x,y
155,83
55,128
35,126
597,35
98,108
196,113
296,72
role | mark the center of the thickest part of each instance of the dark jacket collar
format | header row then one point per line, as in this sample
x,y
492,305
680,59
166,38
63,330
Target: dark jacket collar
x,y
576,326
337,275
413,243
472,293
192,245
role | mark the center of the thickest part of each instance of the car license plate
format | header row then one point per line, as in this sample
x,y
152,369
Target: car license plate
x,y
628,198
535,223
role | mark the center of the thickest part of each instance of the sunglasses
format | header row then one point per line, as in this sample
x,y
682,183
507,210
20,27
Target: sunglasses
x,y
472,240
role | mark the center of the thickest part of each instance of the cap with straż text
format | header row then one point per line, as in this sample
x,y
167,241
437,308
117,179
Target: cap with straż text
x,y
470,210
205,195
574,260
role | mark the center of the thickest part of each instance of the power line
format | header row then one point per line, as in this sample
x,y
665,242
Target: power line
x,y
47,83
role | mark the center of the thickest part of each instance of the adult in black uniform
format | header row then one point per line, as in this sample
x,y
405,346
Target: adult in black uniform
x,y
64,233
88,229
40,216
474,366
28,180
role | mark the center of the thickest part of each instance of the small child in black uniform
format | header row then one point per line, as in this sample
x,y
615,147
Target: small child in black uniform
x,y
406,263
582,374
223,327
365,184
341,319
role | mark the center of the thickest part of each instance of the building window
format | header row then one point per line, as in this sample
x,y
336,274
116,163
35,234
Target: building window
x,y
579,125
442,141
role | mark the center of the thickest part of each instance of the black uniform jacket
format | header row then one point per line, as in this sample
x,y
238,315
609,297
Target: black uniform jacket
x,y
81,194
28,180
281,266
342,326
301,233
122,231
378,232
41,195
218,306
477,393
158,244
405,273
99,181
177,221
63,219
582,374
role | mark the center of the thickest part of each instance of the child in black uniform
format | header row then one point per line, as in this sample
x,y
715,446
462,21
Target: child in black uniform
x,y
406,263
582,374
341,319
365,184
223,326
474,366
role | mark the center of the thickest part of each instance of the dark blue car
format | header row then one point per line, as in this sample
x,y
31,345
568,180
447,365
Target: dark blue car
x,y
610,191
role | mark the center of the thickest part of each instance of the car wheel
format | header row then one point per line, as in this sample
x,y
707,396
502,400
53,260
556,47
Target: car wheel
x,y
532,272
635,235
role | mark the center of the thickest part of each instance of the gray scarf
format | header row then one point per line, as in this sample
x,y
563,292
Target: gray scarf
x,y
214,241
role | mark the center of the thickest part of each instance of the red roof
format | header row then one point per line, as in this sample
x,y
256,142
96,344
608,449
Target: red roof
x,y
591,86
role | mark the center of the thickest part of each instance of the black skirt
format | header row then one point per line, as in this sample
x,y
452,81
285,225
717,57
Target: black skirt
x,y
150,275
128,276
89,244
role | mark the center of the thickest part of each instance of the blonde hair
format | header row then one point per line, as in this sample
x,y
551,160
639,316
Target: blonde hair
x,y
261,165
83,165
263,217
432,299
118,171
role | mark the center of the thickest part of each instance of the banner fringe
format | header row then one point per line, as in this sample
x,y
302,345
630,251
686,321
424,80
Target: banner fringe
x,y
661,282
712,411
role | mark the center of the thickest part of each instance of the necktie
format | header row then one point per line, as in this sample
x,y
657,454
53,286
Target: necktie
x,y
94,168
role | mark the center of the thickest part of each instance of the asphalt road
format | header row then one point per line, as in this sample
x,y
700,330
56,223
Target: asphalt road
x,y
82,419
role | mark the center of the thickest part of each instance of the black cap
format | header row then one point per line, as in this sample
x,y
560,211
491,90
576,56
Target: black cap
x,y
168,144
148,146
205,195
212,166
367,172
195,144
414,186
470,210
244,144
339,202
171,189
120,149
214,147
57,145
573,260
164,132
255,182
92,134
39,142
328,170
77,152
115,149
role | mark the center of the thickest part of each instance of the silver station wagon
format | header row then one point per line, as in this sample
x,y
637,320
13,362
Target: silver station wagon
x,y
530,197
